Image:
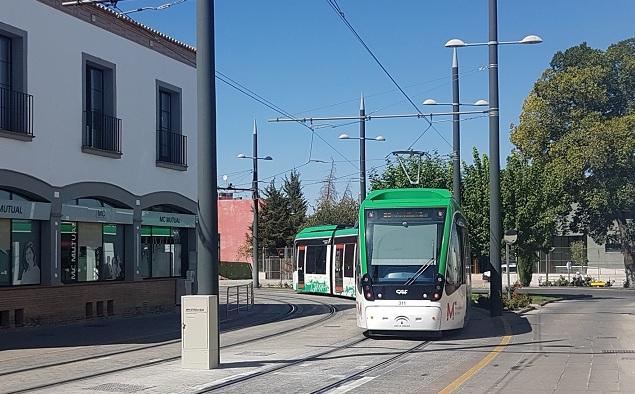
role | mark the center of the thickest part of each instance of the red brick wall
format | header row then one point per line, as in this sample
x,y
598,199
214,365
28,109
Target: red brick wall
x,y
234,219
58,304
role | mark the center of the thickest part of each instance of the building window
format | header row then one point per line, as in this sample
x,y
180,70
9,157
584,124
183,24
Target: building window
x,y
102,129
612,248
92,252
161,252
171,143
16,118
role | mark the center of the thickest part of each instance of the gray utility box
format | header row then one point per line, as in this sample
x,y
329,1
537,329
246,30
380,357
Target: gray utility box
x,y
199,332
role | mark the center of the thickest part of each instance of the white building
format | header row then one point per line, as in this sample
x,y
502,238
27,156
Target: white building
x,y
97,163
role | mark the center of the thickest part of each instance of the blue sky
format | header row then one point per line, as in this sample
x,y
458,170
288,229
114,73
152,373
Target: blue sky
x,y
299,55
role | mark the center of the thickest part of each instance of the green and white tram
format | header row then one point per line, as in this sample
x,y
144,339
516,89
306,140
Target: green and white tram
x,y
414,263
324,260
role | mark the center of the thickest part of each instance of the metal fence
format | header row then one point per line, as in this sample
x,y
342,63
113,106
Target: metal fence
x,y
278,265
239,298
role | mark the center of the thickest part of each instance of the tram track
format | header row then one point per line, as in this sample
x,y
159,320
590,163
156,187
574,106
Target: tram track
x,y
294,308
361,374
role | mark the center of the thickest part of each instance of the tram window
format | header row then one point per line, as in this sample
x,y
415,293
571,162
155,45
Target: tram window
x,y
349,259
300,258
461,254
453,274
316,259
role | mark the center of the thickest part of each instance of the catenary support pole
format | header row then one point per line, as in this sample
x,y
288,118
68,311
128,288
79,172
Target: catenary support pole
x,y
362,150
254,186
456,130
496,306
207,227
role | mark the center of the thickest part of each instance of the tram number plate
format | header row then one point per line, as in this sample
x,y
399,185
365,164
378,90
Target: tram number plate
x,y
402,303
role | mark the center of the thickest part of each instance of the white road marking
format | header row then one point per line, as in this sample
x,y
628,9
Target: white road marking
x,y
352,385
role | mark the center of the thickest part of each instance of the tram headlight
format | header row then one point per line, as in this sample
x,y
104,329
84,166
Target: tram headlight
x,y
368,289
436,296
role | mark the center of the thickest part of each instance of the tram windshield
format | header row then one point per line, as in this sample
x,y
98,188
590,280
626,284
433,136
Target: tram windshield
x,y
400,242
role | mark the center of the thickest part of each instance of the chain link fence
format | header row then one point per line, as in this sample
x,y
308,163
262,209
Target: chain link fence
x,y
277,267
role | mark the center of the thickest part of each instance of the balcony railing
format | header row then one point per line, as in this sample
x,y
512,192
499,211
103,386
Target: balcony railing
x,y
101,132
16,112
171,148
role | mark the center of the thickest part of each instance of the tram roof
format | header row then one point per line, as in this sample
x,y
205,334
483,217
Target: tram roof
x,y
326,231
419,196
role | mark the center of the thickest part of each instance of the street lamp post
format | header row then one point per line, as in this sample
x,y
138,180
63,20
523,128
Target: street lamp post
x,y
494,150
362,151
254,192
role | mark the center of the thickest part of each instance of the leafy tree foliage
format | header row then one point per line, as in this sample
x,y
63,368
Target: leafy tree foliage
x,y
435,172
579,124
531,205
475,204
292,189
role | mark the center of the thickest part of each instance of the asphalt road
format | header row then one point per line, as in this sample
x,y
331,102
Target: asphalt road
x,y
581,344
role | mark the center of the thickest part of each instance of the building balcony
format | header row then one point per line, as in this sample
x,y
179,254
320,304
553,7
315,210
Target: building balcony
x,y
16,115
171,150
102,134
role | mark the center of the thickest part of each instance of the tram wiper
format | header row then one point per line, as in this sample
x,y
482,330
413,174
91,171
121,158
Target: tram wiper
x,y
419,272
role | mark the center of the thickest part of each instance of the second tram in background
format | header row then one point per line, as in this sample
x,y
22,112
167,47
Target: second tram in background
x,y
324,260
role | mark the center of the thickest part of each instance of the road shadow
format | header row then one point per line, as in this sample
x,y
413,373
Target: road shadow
x,y
156,328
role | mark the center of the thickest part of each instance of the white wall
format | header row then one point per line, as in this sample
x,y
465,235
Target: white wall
x,y
55,45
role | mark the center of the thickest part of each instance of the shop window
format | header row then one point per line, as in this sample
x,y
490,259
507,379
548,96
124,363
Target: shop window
x,y
92,252
19,252
161,255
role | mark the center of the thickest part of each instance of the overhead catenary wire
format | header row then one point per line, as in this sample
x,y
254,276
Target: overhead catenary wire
x,y
340,13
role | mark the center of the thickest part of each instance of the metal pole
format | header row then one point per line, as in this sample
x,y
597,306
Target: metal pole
x,y
254,233
547,267
494,167
207,226
456,130
362,150
509,287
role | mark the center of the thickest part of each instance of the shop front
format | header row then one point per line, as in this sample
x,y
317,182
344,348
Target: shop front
x,y
20,239
93,240
165,239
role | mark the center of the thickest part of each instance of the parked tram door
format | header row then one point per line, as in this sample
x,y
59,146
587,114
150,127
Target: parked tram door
x,y
300,266
339,268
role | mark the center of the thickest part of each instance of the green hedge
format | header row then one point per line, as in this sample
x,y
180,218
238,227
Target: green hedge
x,y
235,270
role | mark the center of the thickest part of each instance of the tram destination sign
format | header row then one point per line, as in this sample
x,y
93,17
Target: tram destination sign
x,y
154,218
14,209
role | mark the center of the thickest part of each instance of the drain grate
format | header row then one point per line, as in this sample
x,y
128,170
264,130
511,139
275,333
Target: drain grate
x,y
118,388
258,354
618,351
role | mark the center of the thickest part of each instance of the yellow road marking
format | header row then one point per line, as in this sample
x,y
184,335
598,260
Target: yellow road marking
x,y
480,365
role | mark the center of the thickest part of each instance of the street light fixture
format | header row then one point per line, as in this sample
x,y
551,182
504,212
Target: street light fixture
x,y
494,149
477,103
458,43
380,138
254,192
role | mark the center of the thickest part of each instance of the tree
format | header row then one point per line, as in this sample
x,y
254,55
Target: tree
x,y
579,123
532,206
578,253
435,172
292,188
330,209
273,224
475,204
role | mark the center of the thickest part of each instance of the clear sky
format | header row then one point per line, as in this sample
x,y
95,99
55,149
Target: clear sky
x,y
299,55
